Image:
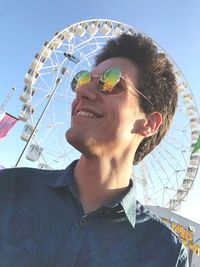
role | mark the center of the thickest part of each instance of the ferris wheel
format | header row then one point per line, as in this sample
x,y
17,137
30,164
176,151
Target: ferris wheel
x,y
164,177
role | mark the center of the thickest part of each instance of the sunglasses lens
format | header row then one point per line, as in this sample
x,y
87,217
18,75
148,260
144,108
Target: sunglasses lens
x,y
109,79
80,79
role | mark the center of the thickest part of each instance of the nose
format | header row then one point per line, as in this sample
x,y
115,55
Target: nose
x,y
87,91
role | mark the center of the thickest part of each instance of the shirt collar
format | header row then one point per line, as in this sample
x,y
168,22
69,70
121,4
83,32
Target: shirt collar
x,y
128,203
60,178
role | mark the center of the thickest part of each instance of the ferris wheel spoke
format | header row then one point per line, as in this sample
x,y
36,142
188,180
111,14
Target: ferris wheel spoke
x,y
159,170
156,172
164,155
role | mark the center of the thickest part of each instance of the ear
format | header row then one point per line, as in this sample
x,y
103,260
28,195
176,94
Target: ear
x,y
151,125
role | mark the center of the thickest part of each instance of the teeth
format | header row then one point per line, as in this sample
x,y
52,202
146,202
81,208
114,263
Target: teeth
x,y
86,114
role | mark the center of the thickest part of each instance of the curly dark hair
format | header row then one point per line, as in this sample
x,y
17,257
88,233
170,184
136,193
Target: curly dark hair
x,y
156,81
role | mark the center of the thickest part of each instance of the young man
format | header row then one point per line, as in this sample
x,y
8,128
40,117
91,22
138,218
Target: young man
x,y
87,215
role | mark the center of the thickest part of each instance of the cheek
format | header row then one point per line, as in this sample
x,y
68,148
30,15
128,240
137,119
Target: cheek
x,y
127,121
126,115
119,124
122,113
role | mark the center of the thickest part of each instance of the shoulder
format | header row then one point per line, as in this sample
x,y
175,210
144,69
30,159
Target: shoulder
x,y
26,172
17,176
143,214
20,173
34,176
27,185
161,238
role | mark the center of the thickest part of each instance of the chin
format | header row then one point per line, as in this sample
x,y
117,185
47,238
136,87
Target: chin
x,y
71,137
85,145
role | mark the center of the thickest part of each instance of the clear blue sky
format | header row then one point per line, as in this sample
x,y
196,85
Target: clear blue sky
x,y
25,25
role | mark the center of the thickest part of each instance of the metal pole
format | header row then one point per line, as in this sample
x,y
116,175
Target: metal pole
x,y
41,116
7,98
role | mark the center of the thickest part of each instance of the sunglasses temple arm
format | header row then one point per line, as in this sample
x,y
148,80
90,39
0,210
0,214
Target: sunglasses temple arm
x,y
138,92
141,95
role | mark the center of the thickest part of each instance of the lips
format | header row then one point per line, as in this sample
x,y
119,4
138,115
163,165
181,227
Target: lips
x,y
85,112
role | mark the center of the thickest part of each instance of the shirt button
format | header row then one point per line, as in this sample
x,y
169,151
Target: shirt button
x,y
82,221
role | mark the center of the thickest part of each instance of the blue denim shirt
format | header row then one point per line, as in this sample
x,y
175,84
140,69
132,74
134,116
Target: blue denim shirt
x,y
42,224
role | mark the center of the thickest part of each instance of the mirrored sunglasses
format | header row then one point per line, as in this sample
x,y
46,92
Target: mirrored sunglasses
x,y
106,83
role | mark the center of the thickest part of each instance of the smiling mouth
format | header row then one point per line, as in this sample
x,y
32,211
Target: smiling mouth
x,y
87,114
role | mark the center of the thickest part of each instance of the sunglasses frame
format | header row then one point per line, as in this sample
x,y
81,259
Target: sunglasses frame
x,y
110,90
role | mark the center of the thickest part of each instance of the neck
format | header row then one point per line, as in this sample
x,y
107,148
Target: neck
x,y
100,180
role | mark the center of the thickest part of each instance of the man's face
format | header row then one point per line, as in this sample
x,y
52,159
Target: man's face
x,y
100,123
